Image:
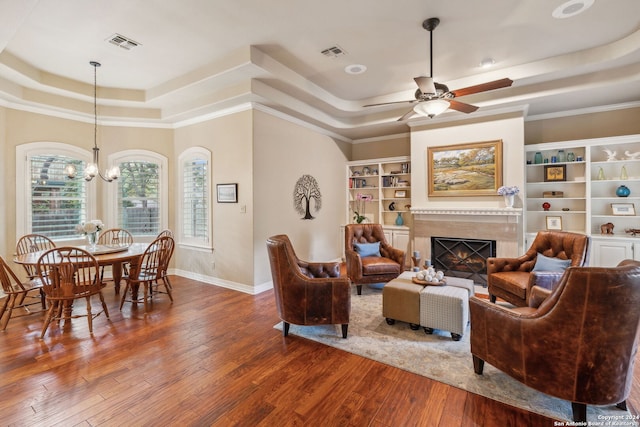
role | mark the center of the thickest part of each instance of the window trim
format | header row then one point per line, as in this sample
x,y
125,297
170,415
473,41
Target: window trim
x,y
190,153
146,156
23,185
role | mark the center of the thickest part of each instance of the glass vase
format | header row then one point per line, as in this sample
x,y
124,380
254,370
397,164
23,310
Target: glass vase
x,y
508,200
92,240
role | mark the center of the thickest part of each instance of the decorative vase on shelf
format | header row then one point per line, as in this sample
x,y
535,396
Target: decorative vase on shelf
x,y
399,220
92,239
623,191
600,174
508,200
562,157
537,158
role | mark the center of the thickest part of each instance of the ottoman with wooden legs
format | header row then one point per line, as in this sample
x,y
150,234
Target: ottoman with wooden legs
x,y
401,301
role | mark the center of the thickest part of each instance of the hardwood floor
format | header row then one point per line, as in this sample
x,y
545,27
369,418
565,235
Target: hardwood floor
x,y
213,358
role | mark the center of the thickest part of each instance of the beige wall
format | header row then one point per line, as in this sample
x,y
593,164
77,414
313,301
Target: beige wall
x,y
283,153
229,139
379,148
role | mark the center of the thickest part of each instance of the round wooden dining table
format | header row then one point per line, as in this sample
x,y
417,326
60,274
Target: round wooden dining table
x,y
113,255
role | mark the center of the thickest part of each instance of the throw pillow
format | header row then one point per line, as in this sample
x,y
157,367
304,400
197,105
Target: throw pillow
x,y
368,249
545,263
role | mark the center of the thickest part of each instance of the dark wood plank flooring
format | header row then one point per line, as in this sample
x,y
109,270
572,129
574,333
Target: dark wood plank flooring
x,y
213,358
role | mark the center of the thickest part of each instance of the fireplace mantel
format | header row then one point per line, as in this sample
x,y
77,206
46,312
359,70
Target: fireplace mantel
x,y
467,211
504,225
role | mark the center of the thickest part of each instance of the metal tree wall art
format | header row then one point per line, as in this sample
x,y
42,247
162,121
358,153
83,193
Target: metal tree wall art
x,y
306,189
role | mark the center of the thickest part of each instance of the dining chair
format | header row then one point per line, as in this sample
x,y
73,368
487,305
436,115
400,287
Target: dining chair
x,y
68,274
164,276
34,243
148,272
165,232
19,295
115,236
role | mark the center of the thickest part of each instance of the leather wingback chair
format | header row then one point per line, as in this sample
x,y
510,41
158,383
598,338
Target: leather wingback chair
x,y
307,293
371,269
579,344
512,278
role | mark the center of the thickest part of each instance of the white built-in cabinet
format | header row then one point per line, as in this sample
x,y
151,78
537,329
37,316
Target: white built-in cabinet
x,y
387,182
591,173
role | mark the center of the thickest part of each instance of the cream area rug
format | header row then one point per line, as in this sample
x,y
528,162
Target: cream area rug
x,y
434,356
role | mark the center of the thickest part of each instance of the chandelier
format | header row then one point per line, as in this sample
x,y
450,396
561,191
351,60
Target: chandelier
x,y
93,169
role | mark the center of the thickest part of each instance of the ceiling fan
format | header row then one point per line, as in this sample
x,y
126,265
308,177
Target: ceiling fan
x,y
434,98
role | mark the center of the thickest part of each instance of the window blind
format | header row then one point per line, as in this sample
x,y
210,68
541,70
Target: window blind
x,y
58,204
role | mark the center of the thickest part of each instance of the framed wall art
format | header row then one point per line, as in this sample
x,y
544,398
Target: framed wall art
x,y
555,173
623,209
554,223
227,193
473,169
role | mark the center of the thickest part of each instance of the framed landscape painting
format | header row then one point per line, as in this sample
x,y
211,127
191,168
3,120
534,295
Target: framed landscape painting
x,y
473,169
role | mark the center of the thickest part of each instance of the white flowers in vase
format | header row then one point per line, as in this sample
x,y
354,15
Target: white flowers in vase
x,y
88,227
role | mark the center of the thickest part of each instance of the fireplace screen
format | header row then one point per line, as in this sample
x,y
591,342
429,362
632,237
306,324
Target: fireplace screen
x,y
465,258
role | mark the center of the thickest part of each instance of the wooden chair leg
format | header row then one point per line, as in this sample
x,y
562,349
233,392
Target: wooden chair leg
x,y
622,405
359,289
7,309
47,319
478,365
285,328
89,315
345,327
579,412
104,305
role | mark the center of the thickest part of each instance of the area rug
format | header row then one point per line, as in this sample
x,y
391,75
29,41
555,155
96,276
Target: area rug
x,y
434,356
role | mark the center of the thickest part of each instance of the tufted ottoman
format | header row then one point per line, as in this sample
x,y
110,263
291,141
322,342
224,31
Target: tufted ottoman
x,y
446,307
401,301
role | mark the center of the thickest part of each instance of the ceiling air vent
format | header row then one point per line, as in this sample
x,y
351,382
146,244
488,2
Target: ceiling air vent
x,y
123,42
334,51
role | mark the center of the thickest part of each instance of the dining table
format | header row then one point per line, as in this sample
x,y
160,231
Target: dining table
x,y
106,255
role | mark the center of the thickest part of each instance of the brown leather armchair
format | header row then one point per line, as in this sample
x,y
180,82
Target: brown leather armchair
x,y
512,278
307,293
579,344
371,269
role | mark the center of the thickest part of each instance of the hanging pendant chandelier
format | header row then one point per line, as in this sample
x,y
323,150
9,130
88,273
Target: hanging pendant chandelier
x,y
93,169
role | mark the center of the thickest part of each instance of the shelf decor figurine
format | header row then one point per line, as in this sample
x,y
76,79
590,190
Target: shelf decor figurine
x,y
623,191
546,206
606,228
399,219
600,175
623,173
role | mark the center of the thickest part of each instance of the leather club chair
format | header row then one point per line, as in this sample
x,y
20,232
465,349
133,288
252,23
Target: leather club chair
x,y
307,293
512,278
579,344
371,269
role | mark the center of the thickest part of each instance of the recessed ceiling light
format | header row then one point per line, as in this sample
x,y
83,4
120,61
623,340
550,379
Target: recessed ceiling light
x,y
571,8
355,69
487,62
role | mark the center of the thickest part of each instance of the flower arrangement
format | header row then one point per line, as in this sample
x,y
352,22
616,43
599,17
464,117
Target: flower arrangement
x,y
361,200
506,190
88,227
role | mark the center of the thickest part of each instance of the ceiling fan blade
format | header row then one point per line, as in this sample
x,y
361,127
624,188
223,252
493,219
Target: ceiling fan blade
x,y
426,85
407,115
483,87
461,106
389,103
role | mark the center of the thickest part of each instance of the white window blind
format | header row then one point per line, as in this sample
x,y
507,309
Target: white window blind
x,y
195,199
139,198
58,204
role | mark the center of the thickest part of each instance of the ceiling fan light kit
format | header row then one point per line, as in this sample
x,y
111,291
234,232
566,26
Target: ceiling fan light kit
x,y
435,98
431,108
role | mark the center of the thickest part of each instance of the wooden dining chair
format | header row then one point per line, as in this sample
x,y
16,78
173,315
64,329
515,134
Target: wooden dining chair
x,y
165,232
68,274
115,236
19,295
148,273
34,243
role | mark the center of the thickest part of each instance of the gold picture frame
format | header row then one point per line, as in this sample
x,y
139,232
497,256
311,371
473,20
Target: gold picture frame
x,y
473,169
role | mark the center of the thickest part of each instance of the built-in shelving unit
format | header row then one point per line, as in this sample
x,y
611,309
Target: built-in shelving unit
x,y
386,183
593,173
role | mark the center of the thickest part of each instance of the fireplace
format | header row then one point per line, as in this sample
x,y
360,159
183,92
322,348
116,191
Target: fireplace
x,y
466,258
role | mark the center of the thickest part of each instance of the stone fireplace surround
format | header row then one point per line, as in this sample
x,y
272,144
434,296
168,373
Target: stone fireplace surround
x,y
500,224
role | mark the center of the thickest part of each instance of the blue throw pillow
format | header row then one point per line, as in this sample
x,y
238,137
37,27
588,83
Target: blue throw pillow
x,y
545,263
368,249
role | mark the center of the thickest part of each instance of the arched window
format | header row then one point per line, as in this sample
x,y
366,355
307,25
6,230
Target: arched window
x,y
138,201
47,202
194,175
